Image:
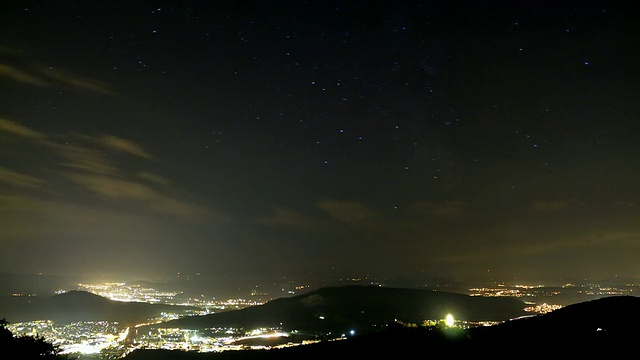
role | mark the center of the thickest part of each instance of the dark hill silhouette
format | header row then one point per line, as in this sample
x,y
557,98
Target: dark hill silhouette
x,y
80,306
570,332
26,283
359,308
611,318
25,346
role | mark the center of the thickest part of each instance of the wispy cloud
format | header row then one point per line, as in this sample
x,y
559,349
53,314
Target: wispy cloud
x,y
113,188
15,178
116,189
347,211
447,209
125,146
87,153
155,178
23,69
534,247
14,128
68,79
81,163
284,217
21,76
85,159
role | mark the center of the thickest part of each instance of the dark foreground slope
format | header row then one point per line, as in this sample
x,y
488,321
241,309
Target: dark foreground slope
x,y
340,309
611,319
598,329
80,306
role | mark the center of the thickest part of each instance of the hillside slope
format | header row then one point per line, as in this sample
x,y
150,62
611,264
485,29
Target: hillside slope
x,y
359,308
598,329
80,306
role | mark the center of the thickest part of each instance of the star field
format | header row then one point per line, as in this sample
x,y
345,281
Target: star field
x,y
251,138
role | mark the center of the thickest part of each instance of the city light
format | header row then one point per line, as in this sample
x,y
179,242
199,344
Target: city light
x,y
449,321
92,337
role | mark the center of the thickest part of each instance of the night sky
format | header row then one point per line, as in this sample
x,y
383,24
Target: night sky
x,y
257,139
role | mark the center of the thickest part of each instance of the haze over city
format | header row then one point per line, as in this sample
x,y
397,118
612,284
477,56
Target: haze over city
x,y
315,140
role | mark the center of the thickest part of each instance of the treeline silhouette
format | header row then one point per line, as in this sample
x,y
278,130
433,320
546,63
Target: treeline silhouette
x,y
26,347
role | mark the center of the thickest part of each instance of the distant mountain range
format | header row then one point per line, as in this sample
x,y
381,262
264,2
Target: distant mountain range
x,y
359,308
598,329
80,306
601,328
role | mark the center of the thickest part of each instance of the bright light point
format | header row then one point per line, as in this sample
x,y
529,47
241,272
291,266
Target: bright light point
x,y
352,332
449,320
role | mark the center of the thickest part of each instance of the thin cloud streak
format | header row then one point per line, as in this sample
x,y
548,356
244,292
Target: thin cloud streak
x,y
84,162
284,217
350,212
15,178
20,76
125,146
447,210
34,73
67,79
14,128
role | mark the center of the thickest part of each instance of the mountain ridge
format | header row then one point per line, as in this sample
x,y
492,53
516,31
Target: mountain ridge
x,y
77,305
356,307
541,336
